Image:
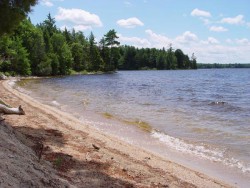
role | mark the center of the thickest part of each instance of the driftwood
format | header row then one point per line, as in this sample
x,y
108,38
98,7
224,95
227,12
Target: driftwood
x,y
5,110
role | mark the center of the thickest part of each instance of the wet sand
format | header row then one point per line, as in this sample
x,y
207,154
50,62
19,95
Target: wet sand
x,y
50,148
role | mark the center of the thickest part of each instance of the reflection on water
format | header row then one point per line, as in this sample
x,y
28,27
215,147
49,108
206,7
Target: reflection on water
x,y
204,113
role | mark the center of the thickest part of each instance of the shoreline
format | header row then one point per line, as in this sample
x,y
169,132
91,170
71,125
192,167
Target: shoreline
x,y
121,161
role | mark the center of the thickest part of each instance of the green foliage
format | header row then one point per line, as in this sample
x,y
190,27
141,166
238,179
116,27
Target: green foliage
x,y
62,49
110,41
12,12
111,38
221,66
95,60
77,55
32,40
45,50
44,68
54,63
58,162
20,62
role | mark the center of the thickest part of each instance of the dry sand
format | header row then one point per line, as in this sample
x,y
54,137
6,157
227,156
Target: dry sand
x,y
75,155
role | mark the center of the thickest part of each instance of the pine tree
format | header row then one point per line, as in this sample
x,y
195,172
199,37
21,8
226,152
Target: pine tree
x,y
12,12
111,40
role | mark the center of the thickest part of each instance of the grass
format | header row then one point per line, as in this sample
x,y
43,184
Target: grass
x,y
58,162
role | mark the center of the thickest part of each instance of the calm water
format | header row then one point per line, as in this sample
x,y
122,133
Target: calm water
x,y
203,113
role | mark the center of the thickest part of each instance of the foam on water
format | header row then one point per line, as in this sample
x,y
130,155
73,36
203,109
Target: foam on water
x,y
55,103
202,151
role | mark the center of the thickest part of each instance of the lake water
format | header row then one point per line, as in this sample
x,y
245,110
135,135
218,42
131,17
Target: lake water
x,y
202,116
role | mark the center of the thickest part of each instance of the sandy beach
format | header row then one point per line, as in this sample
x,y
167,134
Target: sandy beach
x,y
50,148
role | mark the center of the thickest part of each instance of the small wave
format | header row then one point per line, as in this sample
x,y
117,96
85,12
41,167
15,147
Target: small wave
x,y
215,155
55,103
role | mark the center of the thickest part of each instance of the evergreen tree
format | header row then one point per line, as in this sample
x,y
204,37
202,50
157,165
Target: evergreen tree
x,y
171,59
63,52
48,28
6,53
180,58
111,41
53,58
19,60
68,36
95,59
12,12
32,40
77,55
193,62
105,54
161,61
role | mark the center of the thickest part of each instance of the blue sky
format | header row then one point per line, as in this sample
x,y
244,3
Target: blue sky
x,y
217,31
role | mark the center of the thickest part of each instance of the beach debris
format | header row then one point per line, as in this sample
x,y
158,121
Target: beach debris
x,y
4,109
95,147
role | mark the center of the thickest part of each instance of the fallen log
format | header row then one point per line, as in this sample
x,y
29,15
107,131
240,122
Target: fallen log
x,y
5,110
8,110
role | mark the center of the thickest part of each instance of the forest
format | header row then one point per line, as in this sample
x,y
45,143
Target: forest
x,y
45,50
221,66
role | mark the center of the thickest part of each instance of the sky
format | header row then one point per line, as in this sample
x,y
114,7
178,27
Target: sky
x,y
216,31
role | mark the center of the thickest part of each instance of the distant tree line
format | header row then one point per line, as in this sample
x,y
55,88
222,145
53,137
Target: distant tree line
x,y
45,50
218,65
151,58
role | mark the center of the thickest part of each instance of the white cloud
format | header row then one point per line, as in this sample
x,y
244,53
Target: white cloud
x,y
201,13
76,27
187,37
157,40
78,18
211,41
135,41
47,3
130,22
218,29
235,20
243,41
127,3
205,21
210,50
82,27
